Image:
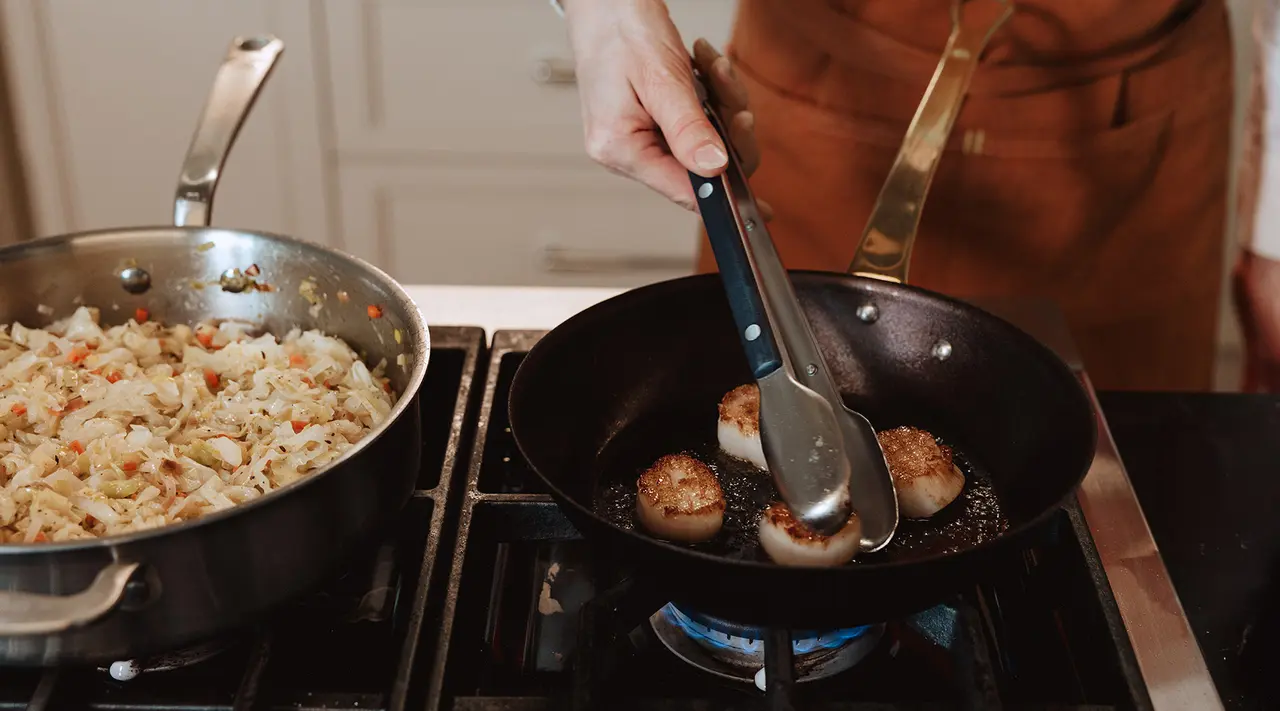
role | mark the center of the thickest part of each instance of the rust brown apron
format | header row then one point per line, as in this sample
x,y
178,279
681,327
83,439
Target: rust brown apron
x,y
1088,165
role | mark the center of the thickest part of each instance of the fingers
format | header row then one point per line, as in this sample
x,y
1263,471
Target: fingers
x,y
730,92
742,134
654,166
665,89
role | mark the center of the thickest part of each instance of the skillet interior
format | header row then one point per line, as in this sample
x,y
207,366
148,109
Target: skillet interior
x,y
1000,397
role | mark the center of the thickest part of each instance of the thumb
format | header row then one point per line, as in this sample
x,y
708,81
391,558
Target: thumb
x,y
670,98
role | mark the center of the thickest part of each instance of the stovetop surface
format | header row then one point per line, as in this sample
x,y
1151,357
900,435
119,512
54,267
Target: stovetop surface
x,y
535,606
1206,469
483,597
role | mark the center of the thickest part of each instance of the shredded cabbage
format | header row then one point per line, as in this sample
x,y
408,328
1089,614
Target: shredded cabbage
x,y
105,431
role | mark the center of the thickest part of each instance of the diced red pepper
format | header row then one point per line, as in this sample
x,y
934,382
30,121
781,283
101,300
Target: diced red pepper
x,y
40,537
297,360
210,378
77,354
129,466
298,426
18,409
205,338
114,376
77,447
375,311
141,315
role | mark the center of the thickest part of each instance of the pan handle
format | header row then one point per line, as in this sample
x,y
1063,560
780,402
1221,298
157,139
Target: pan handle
x,y
885,249
34,614
236,86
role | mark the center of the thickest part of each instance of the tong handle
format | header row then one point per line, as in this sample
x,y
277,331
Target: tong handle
x,y
758,342
719,207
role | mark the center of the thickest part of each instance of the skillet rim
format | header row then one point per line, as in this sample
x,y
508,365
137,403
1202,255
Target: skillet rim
x,y
623,301
419,342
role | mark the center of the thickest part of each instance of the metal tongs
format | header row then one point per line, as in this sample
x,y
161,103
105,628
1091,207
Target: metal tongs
x,y
824,457
818,450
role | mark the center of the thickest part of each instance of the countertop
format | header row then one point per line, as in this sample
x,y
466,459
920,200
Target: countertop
x,y
1206,468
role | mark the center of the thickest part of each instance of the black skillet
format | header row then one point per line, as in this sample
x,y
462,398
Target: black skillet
x,y
603,395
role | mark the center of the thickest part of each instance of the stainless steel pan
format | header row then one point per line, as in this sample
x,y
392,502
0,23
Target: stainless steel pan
x,y
124,596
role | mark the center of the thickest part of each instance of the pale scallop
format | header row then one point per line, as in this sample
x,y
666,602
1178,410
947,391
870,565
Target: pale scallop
x,y
789,542
739,426
924,473
679,499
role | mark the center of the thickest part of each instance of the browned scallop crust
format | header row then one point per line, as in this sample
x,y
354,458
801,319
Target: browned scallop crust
x,y
913,453
679,485
741,406
779,515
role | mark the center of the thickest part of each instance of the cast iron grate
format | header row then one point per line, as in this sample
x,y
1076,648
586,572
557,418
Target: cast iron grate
x,y
363,642
535,619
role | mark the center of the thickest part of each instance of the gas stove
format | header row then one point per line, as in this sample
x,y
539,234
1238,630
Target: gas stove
x,y
537,620
485,598
362,642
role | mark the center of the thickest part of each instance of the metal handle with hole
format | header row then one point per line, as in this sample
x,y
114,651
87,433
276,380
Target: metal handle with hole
x,y
35,614
885,249
235,89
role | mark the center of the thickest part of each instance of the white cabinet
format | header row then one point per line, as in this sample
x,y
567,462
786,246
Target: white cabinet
x,y
475,223
459,144
414,133
413,77
107,96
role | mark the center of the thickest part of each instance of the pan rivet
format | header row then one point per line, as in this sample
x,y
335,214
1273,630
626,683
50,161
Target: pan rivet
x,y
868,313
942,350
135,280
751,225
704,190
752,332
811,369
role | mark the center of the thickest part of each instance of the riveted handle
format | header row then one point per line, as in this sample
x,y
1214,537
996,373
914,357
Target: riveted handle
x,y
235,89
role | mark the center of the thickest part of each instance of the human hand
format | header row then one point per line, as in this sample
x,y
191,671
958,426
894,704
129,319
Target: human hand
x,y
640,111
1256,288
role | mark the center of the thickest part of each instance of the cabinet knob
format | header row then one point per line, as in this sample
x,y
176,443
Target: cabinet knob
x,y
554,70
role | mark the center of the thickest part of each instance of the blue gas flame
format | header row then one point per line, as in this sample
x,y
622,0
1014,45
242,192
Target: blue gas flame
x,y
801,642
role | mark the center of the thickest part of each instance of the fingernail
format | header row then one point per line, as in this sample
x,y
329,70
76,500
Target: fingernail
x,y
748,120
710,157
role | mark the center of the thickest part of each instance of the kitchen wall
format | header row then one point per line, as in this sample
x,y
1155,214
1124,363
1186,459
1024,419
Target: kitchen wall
x,y
437,138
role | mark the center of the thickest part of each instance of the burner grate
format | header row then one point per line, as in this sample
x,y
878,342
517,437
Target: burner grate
x,y
537,619
363,642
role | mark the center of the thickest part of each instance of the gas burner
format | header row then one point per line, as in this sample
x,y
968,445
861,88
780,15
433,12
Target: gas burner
x,y
129,669
736,651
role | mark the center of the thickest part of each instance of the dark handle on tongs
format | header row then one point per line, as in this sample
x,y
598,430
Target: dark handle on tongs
x,y
771,325
720,215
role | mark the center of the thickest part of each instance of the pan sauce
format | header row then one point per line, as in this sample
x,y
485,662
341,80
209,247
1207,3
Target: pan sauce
x,y
974,517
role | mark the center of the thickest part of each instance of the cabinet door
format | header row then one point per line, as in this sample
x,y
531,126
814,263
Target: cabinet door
x,y
514,225
479,76
108,94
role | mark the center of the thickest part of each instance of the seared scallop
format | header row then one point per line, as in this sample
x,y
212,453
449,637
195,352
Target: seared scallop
x,y
789,542
924,474
679,499
739,427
